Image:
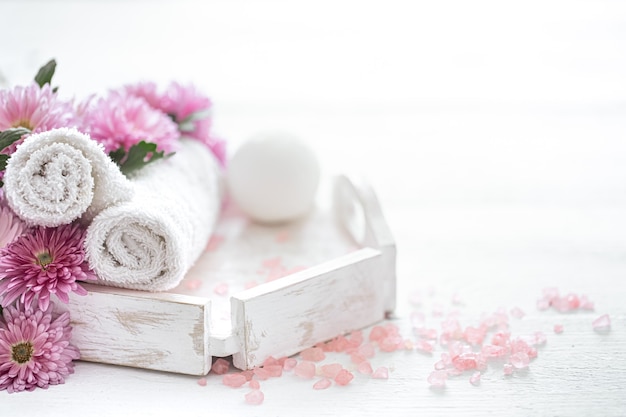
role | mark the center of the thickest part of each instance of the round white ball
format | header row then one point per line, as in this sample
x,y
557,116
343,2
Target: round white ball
x,y
273,177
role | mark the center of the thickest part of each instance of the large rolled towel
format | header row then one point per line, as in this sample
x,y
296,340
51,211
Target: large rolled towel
x,y
57,176
151,241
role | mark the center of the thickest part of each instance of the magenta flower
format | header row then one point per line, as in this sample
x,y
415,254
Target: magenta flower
x,y
44,262
35,108
10,225
35,349
190,109
122,120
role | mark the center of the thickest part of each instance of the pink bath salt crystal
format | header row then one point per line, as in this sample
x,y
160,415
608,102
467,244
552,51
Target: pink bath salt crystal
x,y
494,351
234,380
270,361
255,397
446,358
438,379
254,384
290,364
409,345
249,374
344,377
391,343
365,368
322,384
356,339
381,373
221,288
540,339
424,346
602,323
340,344
531,352
377,333
274,371
331,370
507,369
519,345
585,303
475,379
558,328
500,338
313,354
572,301
261,374
305,369
543,304
519,360
367,350
392,329
517,312
193,284
452,328
439,365
474,336
465,361
220,366
214,242
202,382
550,293
357,358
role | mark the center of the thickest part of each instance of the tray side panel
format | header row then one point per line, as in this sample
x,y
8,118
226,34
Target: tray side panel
x,y
141,332
309,307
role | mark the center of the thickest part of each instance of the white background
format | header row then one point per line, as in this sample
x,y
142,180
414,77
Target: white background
x,y
493,131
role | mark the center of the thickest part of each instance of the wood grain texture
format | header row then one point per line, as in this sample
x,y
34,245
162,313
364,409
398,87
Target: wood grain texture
x,y
308,307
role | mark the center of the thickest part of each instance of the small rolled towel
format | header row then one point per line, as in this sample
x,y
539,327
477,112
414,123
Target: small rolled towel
x,y
57,176
151,241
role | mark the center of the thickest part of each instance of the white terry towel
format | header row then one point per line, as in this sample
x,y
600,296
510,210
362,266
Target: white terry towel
x,y
57,176
151,241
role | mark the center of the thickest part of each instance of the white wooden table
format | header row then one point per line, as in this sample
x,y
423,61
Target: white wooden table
x,y
493,133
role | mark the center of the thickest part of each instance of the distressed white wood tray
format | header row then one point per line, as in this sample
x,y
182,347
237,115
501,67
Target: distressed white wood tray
x,y
257,291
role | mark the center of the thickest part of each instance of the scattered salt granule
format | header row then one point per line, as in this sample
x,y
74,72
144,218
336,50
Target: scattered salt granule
x,y
254,384
322,384
465,361
558,328
381,373
365,368
437,378
377,333
220,366
274,371
519,360
305,369
507,369
517,312
221,288
254,397
564,304
202,382
261,374
344,377
289,364
313,354
602,323
367,350
424,346
331,370
475,379
234,380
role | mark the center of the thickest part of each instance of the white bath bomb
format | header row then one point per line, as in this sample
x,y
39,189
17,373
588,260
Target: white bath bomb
x,y
273,177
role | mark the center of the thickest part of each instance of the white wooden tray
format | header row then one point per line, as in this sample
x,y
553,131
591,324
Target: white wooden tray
x,y
326,275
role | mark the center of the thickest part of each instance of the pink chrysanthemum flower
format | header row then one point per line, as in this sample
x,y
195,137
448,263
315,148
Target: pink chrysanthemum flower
x,y
122,120
35,349
35,108
44,262
190,109
10,225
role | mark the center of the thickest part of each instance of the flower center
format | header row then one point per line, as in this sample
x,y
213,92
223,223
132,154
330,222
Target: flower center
x,y
44,259
23,123
22,352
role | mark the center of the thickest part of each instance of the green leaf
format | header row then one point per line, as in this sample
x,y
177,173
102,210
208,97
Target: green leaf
x,y
45,73
137,157
3,161
10,136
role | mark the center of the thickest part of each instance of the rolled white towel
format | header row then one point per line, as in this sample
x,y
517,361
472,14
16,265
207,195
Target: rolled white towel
x,y
57,176
151,241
